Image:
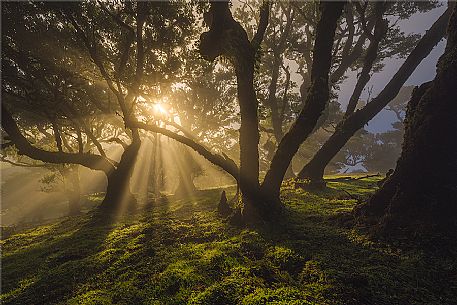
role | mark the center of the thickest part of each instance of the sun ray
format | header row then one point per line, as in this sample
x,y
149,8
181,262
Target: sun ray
x,y
141,172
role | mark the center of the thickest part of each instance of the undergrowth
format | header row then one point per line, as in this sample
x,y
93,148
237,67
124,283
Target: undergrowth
x,y
179,251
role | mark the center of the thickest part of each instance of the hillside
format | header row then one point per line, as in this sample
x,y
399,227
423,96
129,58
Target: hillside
x,y
180,251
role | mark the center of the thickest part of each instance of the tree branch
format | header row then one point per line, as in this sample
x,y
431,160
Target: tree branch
x,y
223,162
372,53
118,141
263,24
3,159
94,162
348,60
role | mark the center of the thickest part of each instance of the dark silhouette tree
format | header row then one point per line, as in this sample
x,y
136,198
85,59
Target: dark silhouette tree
x,y
135,52
420,195
227,37
314,169
316,100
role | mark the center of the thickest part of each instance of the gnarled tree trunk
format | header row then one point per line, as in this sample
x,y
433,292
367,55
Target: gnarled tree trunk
x,y
227,37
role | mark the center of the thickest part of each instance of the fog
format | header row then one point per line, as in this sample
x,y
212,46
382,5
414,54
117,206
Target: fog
x,y
27,201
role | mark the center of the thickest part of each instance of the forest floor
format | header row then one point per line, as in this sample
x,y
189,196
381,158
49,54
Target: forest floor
x,y
179,251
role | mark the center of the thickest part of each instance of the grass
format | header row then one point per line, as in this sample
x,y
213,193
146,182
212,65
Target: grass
x,y
181,252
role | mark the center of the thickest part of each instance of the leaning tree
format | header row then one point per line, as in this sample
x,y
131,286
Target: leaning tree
x,y
355,120
420,196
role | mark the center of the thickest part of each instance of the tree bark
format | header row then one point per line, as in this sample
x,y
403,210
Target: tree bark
x,y
314,170
249,130
118,194
419,198
315,102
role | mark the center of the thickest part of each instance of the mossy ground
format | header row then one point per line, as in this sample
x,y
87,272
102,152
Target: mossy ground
x,y
181,252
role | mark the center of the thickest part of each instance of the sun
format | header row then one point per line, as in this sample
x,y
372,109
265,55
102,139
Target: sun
x,y
160,109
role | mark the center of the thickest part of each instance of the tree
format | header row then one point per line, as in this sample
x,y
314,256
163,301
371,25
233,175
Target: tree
x,y
227,37
316,100
314,169
420,196
86,35
289,38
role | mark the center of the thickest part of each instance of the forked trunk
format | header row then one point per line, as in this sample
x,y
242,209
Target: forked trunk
x,y
227,37
314,169
316,100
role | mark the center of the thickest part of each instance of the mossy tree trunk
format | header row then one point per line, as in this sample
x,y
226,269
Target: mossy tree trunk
x,y
227,37
420,197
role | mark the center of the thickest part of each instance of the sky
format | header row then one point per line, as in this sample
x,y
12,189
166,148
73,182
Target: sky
x,y
426,71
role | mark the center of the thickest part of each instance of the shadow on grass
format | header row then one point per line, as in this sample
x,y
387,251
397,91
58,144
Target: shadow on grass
x,y
348,266
48,266
178,251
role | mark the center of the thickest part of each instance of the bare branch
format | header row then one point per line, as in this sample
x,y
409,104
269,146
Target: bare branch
x,y
370,57
21,164
118,141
